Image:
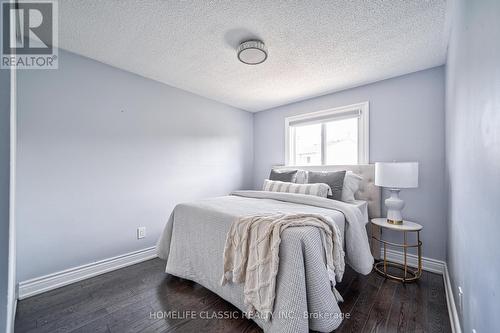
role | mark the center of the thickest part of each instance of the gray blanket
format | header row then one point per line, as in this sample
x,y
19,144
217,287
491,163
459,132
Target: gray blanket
x,y
193,243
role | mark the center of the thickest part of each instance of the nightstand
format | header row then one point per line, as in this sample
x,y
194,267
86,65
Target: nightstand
x,y
408,274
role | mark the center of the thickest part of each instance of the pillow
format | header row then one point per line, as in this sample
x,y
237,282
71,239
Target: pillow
x,y
301,177
283,175
334,179
352,182
319,189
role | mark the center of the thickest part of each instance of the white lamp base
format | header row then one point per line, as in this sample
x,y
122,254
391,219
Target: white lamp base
x,y
394,206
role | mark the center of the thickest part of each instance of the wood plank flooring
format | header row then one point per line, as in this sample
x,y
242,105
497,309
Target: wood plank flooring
x,y
133,299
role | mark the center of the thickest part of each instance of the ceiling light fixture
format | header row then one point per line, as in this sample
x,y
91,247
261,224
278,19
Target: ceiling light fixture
x,y
252,52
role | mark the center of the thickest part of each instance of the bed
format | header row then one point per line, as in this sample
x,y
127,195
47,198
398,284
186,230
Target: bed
x,y
194,237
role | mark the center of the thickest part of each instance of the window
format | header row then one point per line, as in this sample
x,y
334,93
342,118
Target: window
x,y
330,137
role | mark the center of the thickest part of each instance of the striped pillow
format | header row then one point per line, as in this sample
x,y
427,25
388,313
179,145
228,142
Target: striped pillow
x,y
318,189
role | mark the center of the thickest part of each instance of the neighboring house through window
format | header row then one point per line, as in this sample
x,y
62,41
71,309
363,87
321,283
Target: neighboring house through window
x,y
329,137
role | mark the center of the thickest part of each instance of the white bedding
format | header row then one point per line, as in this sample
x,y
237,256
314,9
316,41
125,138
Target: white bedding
x,y
362,206
193,243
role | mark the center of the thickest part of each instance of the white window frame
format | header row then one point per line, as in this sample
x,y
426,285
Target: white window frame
x,y
328,115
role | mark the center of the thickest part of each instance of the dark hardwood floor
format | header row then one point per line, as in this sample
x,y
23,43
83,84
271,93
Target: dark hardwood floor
x,y
135,298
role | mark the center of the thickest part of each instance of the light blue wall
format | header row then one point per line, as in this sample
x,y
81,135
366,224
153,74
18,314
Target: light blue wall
x,y
473,161
4,190
406,124
102,151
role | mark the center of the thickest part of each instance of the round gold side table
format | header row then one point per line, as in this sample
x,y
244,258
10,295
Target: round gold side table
x,y
408,274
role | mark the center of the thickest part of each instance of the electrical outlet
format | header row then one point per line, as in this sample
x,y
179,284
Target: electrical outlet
x,y
460,300
141,232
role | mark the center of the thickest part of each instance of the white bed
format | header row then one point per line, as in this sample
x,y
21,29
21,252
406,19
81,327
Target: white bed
x,y
194,237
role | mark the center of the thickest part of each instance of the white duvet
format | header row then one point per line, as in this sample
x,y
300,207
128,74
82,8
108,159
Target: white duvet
x,y
193,243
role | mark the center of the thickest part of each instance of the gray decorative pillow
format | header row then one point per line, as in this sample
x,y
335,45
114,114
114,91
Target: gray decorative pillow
x,y
283,175
334,179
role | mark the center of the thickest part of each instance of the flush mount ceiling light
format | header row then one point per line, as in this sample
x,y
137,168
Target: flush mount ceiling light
x,y
252,52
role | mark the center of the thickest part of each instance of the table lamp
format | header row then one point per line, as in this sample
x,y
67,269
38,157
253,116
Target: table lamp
x,y
395,176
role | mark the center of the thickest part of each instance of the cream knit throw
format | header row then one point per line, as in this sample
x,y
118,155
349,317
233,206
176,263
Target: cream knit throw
x,y
251,255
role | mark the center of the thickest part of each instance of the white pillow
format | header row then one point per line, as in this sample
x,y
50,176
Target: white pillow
x,y
301,177
318,189
352,182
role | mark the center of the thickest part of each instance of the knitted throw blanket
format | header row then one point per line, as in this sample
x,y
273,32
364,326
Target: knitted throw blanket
x,y
251,255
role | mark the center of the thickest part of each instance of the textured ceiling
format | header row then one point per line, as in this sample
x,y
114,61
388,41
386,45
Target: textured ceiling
x,y
315,47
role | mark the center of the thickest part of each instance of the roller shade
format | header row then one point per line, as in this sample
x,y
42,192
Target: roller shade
x,y
326,118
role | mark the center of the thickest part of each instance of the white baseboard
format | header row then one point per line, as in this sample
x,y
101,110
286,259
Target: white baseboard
x,y
55,280
450,301
434,266
428,264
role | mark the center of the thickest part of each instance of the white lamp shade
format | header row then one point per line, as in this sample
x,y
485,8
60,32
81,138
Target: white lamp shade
x,y
396,174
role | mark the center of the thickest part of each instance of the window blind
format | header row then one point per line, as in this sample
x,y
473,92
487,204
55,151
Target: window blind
x,y
356,113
